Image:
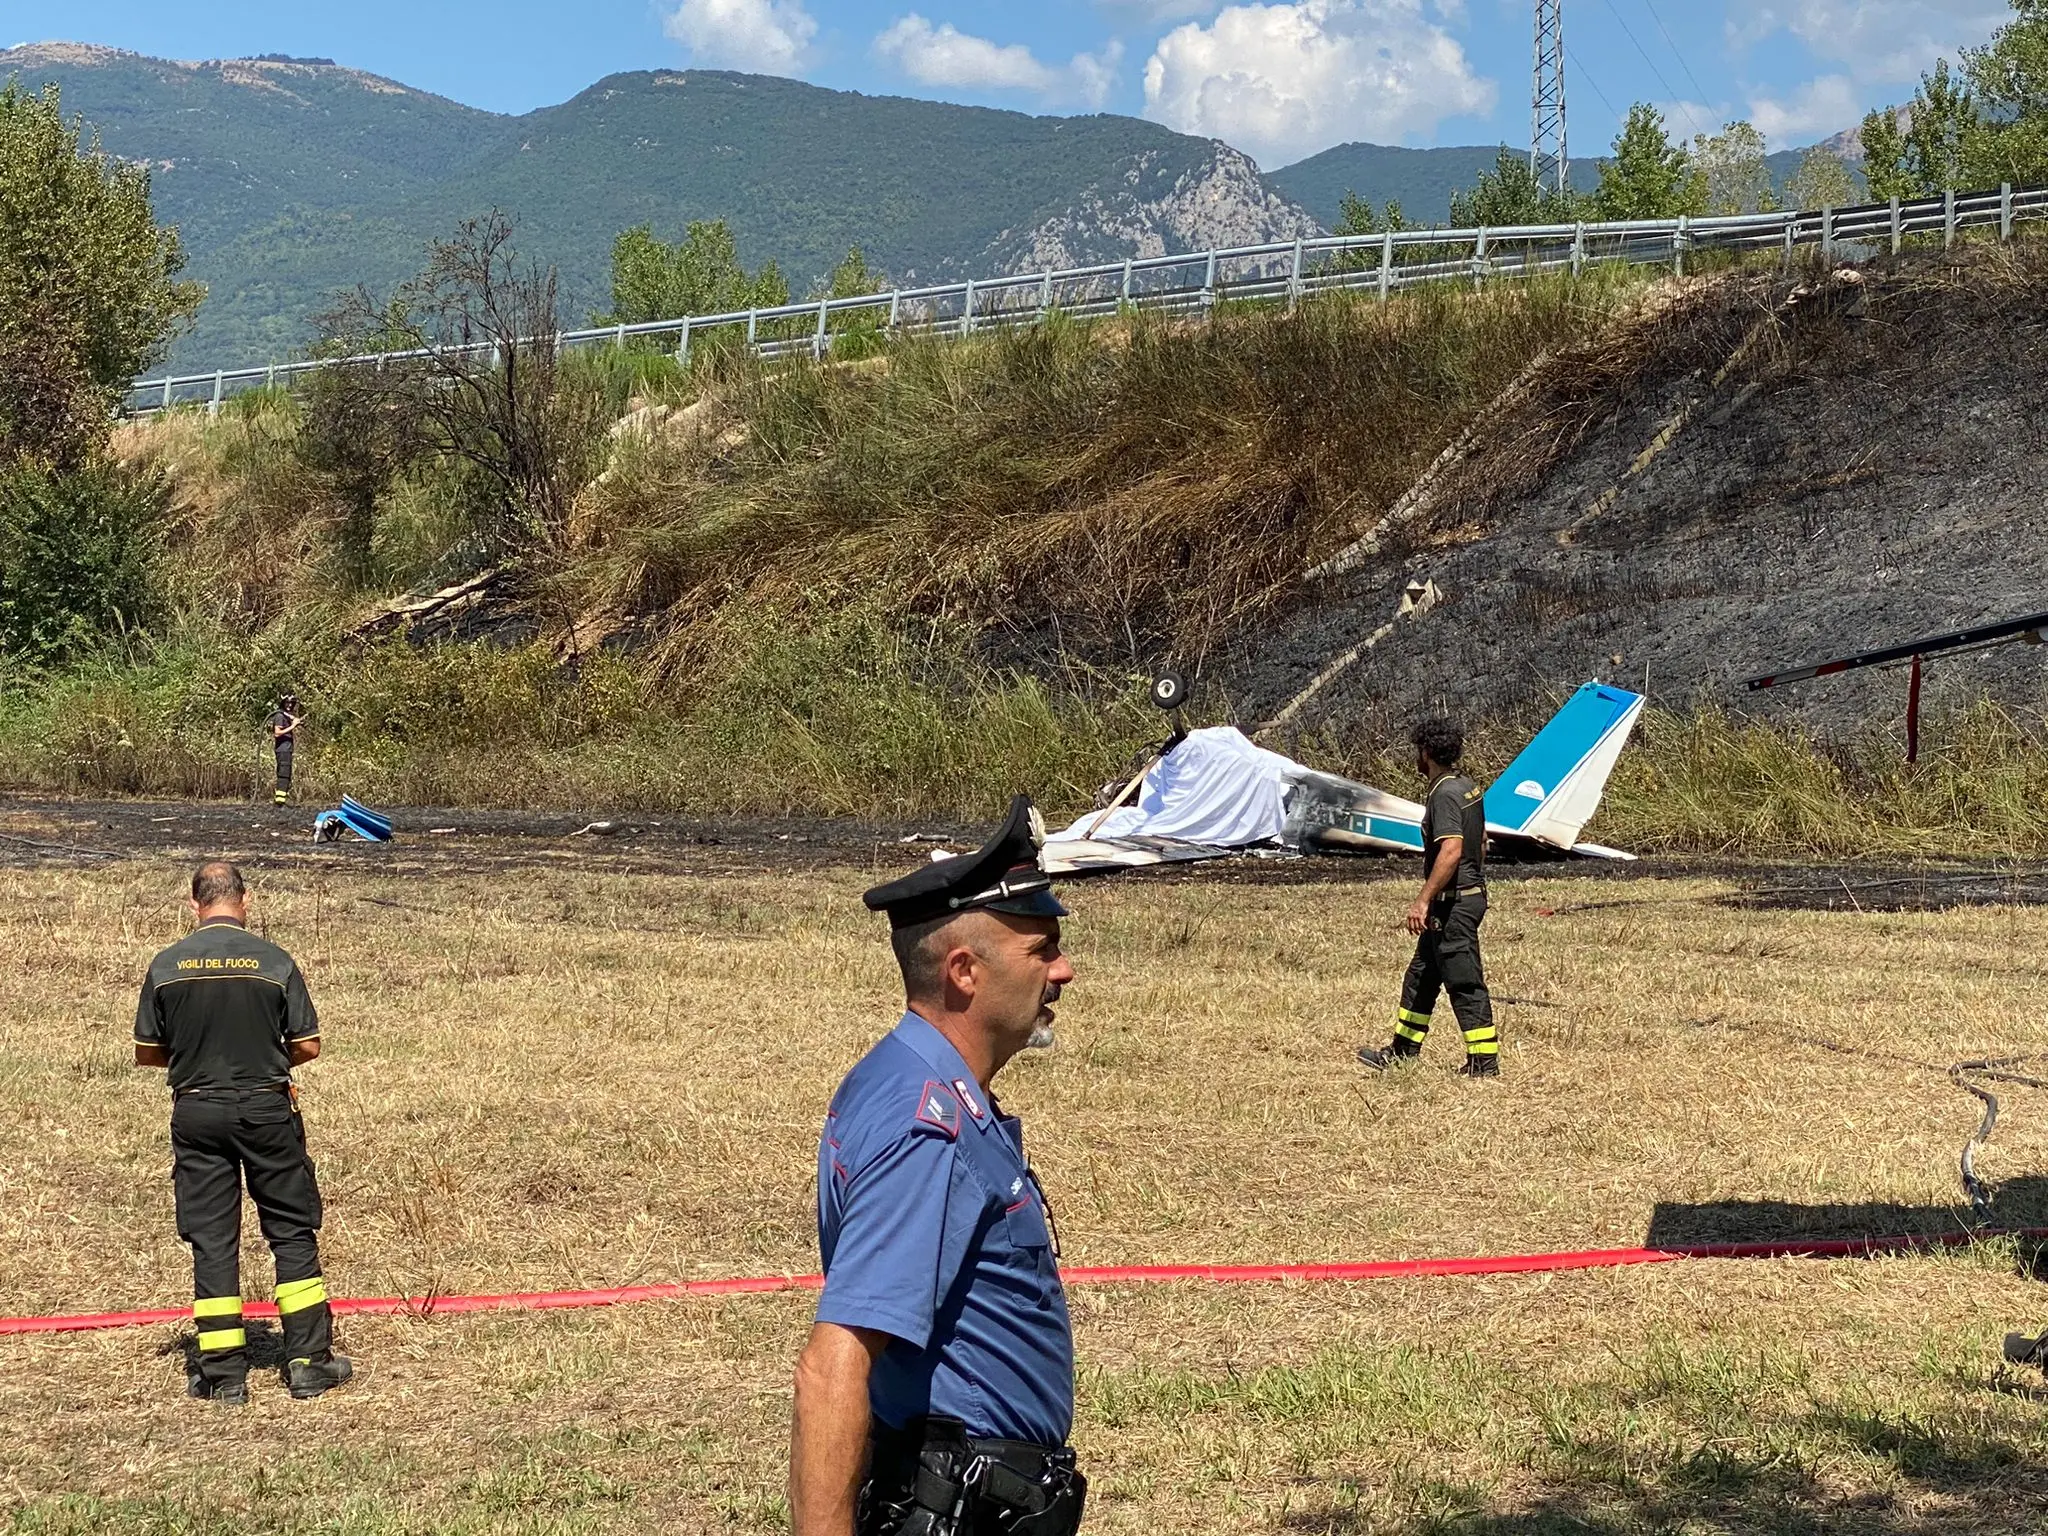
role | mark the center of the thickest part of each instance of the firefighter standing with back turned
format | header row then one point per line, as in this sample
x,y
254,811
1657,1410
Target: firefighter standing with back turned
x,y
1446,916
227,1013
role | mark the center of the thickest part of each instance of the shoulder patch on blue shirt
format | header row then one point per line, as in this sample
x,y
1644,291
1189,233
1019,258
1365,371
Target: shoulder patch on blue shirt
x,y
965,1094
939,1109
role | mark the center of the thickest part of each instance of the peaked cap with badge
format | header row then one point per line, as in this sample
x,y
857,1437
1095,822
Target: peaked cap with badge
x,y
1003,875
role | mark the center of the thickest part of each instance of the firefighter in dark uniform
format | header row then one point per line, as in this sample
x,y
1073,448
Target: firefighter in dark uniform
x,y
936,1391
227,1013
1446,916
284,726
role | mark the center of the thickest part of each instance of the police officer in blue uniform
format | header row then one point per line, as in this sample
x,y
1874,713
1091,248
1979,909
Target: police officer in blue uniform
x,y
936,1391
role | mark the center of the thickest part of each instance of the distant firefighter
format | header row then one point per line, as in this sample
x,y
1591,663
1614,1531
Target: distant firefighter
x,y
936,1391
227,1015
1446,916
284,726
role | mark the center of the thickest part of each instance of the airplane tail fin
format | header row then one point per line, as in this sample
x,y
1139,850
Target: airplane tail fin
x,y
1553,788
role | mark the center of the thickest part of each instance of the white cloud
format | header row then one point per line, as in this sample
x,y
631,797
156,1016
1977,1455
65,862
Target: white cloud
x,y
1822,106
1283,81
945,56
1875,40
767,37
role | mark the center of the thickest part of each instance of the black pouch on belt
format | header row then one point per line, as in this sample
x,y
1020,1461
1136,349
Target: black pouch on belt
x,y
932,1479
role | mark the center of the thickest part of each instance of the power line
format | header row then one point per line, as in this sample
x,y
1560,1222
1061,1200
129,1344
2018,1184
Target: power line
x,y
1651,7
1587,75
1670,92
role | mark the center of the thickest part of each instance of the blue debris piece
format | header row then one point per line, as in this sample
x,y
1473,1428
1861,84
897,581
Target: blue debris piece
x,y
354,817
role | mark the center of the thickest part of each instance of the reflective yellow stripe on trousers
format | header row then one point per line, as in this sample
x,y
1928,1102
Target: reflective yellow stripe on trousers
x,y
298,1295
1410,1025
218,1321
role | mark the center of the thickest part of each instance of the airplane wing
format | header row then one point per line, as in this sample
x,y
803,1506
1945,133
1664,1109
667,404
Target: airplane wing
x,y
1070,857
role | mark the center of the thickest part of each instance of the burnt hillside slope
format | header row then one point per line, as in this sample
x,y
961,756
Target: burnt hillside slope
x,y
1752,472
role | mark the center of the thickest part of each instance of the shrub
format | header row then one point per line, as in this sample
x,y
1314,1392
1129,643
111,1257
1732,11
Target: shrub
x,y
75,558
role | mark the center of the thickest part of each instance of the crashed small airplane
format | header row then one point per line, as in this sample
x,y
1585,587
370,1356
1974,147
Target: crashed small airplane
x,y
1212,793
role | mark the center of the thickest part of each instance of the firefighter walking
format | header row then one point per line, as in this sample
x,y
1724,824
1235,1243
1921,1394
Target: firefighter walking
x,y
227,1015
1446,915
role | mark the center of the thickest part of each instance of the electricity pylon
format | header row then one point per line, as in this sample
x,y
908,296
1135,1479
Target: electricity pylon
x,y
1547,158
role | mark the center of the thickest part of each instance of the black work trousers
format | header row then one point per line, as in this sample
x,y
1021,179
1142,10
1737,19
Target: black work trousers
x,y
284,767
1447,960
219,1140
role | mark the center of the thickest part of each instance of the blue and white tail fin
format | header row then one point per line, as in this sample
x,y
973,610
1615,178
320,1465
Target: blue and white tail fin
x,y
1551,791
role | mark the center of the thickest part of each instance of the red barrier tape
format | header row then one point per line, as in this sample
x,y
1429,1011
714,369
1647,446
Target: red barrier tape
x,y
1115,1274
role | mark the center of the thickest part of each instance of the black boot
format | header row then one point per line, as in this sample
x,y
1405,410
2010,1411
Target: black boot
x,y
1480,1066
2027,1349
1379,1058
309,1378
232,1393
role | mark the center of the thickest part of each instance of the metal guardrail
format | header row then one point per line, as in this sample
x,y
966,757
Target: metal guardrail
x,y
1286,272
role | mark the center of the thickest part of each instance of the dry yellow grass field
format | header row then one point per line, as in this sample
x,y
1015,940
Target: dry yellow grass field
x,y
569,1075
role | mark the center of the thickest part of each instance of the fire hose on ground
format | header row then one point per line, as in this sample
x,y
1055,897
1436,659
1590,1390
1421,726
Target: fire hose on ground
x,y
1115,1274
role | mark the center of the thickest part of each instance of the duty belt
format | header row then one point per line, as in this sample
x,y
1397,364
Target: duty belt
x,y
931,1478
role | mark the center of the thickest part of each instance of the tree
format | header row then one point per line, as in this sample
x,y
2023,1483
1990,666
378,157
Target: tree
x,y
1884,156
1649,176
1733,176
1822,181
698,275
853,278
89,289
488,391
1942,125
2009,77
357,436
1358,217
1511,194
1355,216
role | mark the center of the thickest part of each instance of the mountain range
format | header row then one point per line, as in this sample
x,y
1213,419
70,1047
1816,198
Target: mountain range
x,y
291,179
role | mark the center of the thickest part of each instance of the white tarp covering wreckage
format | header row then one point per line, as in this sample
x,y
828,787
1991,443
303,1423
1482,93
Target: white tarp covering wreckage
x,y
1215,793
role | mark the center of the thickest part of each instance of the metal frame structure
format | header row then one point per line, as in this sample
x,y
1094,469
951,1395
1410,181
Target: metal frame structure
x,y
1197,283
1977,637
1549,160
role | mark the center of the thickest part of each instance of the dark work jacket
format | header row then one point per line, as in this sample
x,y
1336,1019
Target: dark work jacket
x,y
225,1005
1456,808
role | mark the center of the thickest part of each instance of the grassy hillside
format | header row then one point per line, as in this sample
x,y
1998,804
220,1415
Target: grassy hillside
x,y
293,179
885,588
899,586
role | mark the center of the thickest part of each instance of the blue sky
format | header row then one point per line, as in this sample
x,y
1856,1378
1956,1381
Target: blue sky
x,y
1280,80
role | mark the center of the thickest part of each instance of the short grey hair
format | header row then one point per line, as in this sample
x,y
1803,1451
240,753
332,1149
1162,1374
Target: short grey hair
x,y
921,949
217,881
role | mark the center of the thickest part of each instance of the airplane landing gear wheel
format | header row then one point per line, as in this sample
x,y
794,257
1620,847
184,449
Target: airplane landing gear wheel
x,y
1169,690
